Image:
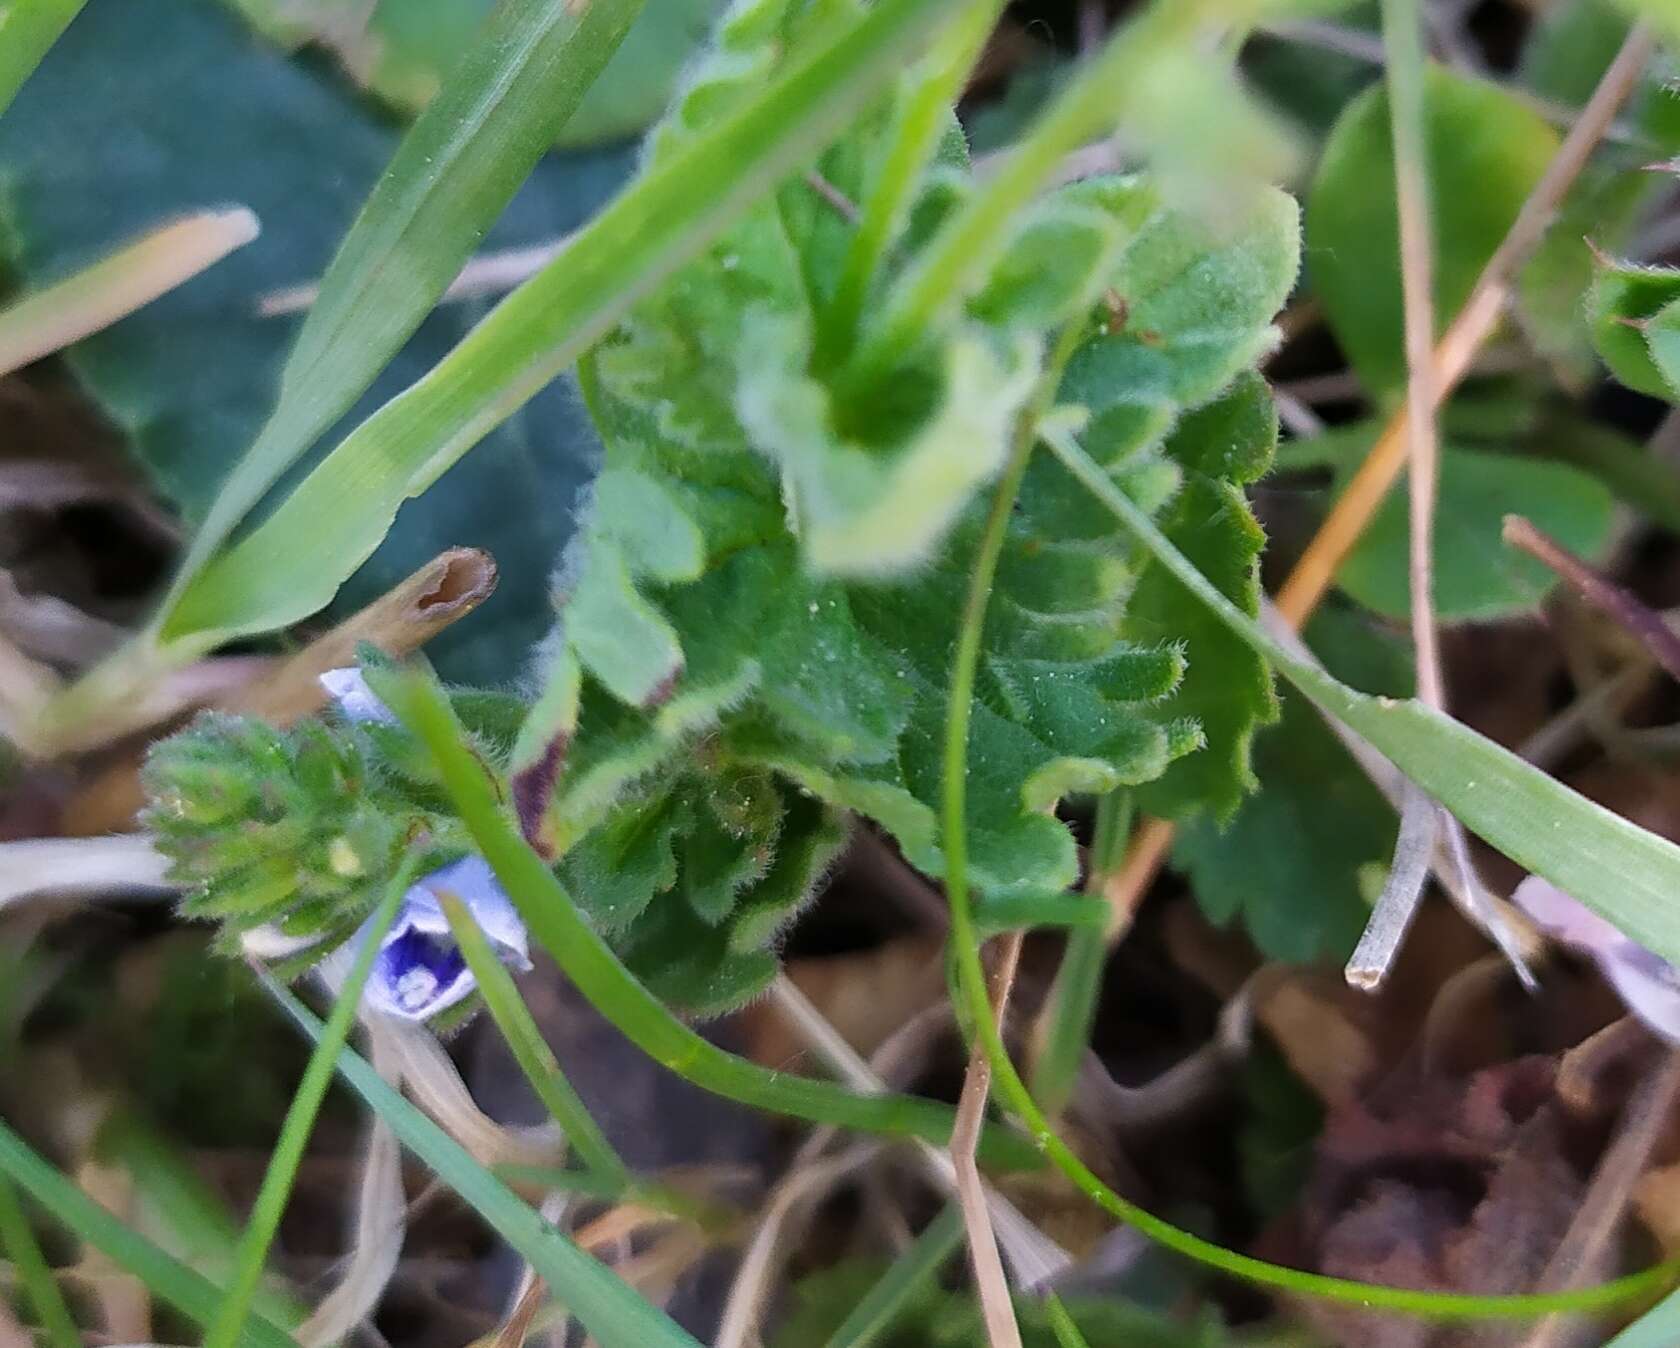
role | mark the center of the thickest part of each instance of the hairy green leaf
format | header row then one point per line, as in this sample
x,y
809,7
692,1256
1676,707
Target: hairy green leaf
x,y
828,514
1623,307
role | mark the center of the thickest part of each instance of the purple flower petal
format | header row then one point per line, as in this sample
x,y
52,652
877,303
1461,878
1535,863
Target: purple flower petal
x,y
1648,985
419,970
355,699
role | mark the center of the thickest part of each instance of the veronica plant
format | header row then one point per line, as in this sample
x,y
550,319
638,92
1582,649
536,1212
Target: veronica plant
x,y
757,615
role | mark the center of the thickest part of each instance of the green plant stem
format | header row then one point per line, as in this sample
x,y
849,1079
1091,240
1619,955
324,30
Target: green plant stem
x,y
28,28
195,1222
165,1277
1062,1325
922,120
345,506
283,1165
971,978
911,1271
507,1008
17,1238
1073,999
612,1311
578,949
965,249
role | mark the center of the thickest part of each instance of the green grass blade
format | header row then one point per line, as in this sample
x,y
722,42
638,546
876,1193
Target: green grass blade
x,y
166,1277
191,1218
608,1307
578,949
1062,1325
910,1272
971,977
459,165
1073,998
17,1238
300,1122
345,506
532,1053
1619,870
1659,1327
28,28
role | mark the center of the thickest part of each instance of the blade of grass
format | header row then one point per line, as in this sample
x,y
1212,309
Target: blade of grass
x,y
1073,998
971,981
608,1307
1623,872
17,1238
1062,1325
194,1221
554,919
165,1277
299,1122
345,506
907,1275
133,276
459,165
507,1008
28,28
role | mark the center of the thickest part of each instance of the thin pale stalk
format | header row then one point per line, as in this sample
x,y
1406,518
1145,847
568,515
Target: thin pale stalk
x,y
1453,355
35,1275
1397,905
270,1204
536,1060
873,1315
114,287
990,1280
555,921
971,979
1640,621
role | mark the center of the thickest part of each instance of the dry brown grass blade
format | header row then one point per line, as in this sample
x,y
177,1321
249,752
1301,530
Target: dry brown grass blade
x,y
1586,1245
442,592
1310,580
990,1280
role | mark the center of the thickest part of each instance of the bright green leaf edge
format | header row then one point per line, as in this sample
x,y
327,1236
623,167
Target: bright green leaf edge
x,y
345,506
164,1276
608,1307
28,28
553,918
971,977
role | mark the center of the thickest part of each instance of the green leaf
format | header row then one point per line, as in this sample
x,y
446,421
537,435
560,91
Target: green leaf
x,y
208,115
1288,865
1622,872
1486,150
402,51
346,505
1622,305
1227,688
31,27
169,1280
34,1275
608,1307
1477,577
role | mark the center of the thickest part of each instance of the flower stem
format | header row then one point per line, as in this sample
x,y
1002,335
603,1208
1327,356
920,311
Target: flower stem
x,y
300,1122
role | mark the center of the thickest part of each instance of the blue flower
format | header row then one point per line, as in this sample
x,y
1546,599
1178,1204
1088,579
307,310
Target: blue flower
x,y
419,969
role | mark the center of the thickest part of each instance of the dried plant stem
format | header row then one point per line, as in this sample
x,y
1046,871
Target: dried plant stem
x,y
1586,1242
1453,355
1636,618
989,1278
1456,350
